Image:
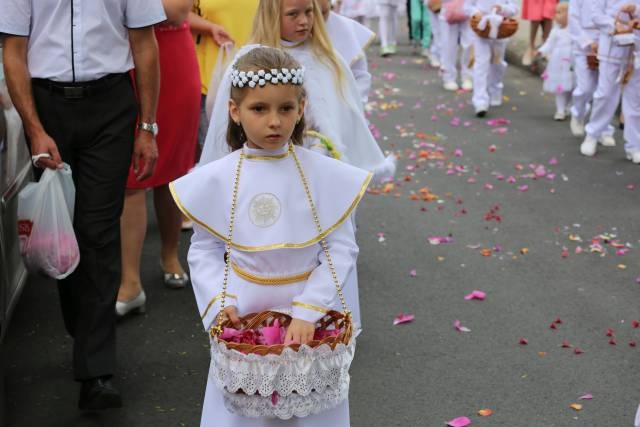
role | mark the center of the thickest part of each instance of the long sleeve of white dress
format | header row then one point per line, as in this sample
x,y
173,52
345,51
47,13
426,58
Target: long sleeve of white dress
x,y
206,265
599,16
579,35
319,293
360,71
548,46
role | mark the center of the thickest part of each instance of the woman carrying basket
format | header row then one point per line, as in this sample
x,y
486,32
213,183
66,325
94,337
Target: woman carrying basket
x,y
278,240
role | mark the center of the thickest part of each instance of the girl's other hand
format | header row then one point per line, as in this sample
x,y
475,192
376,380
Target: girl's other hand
x,y
232,313
220,35
299,332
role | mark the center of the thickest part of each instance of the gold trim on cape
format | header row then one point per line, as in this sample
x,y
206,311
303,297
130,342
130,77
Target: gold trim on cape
x,y
310,307
213,301
260,280
283,245
274,157
363,52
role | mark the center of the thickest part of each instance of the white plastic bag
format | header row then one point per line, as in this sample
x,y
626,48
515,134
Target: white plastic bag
x,y
48,243
226,53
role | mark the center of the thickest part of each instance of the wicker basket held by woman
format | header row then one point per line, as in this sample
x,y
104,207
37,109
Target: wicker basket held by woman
x,y
507,27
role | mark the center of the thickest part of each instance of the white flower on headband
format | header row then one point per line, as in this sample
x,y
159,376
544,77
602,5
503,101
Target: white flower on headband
x,y
262,77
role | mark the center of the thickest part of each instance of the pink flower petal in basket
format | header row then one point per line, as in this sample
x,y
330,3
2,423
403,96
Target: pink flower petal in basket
x,y
403,318
272,335
459,422
479,295
230,333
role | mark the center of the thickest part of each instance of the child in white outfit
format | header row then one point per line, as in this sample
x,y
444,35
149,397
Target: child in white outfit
x,y
631,97
456,34
388,10
614,59
558,77
489,66
585,44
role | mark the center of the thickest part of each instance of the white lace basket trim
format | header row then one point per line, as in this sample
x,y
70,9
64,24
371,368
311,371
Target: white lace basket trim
x,y
256,406
292,371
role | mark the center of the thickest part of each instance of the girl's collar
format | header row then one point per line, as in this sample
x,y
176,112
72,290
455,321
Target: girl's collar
x,y
261,154
291,45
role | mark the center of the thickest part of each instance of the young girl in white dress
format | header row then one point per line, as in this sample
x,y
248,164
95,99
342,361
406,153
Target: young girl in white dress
x,y
559,77
276,258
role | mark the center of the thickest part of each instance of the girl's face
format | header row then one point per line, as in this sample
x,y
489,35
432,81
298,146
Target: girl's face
x,y
296,20
268,114
561,16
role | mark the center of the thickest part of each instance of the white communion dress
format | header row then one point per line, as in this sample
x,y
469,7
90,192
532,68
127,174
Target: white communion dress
x,y
351,40
338,116
277,262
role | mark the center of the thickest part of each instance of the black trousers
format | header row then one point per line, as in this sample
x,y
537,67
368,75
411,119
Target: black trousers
x,y
94,135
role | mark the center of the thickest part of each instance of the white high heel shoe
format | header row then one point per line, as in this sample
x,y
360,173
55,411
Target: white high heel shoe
x,y
134,305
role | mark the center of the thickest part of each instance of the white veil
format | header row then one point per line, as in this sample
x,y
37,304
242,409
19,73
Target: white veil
x,y
342,121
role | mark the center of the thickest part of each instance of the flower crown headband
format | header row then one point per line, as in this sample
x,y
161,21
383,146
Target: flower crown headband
x,y
294,76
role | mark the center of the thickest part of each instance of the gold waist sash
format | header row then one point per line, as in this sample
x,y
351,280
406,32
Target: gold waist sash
x,y
284,280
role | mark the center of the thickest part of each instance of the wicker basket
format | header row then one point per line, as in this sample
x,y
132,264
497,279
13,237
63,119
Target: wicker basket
x,y
592,62
332,320
508,27
434,5
279,381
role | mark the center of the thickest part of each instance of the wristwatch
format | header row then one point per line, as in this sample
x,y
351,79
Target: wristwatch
x,y
149,127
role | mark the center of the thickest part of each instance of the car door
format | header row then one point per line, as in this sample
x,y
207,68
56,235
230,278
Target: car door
x,y
15,173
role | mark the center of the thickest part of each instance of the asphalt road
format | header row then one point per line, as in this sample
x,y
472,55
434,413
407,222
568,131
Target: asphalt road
x,y
425,372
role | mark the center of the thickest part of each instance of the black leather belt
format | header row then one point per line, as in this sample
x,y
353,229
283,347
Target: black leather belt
x,y
81,90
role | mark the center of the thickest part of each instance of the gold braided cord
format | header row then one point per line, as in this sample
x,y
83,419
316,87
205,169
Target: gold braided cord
x,y
323,242
310,307
217,330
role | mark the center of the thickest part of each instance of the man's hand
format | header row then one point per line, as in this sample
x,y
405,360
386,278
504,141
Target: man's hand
x,y
220,36
299,332
145,155
594,48
41,144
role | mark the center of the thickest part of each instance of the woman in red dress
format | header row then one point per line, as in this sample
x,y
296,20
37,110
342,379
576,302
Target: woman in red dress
x,y
540,13
177,118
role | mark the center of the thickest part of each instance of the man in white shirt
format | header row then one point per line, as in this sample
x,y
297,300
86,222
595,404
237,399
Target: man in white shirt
x,y
67,66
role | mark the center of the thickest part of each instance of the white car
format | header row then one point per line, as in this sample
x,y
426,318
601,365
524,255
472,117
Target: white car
x,y
15,173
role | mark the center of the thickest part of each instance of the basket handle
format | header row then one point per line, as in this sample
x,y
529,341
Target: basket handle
x,y
217,329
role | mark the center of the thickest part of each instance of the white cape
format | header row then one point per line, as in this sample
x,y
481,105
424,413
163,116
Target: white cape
x,y
338,116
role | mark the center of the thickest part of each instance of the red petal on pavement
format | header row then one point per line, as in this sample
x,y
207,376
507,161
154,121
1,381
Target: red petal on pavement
x,y
578,350
612,341
558,321
635,323
553,326
632,344
609,332
523,341
565,344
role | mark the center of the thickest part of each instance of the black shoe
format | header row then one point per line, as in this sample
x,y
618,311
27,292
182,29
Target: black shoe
x,y
481,113
98,393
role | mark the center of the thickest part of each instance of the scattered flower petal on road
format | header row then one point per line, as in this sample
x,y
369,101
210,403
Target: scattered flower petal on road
x,y
403,318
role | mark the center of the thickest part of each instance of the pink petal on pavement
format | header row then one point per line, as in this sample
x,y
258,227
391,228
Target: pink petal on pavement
x,y
587,396
459,422
413,273
458,326
479,295
403,318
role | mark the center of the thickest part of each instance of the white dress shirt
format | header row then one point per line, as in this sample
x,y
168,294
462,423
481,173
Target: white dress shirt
x,y
76,40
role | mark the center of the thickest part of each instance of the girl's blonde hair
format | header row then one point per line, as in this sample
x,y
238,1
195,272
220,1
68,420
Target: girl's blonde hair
x,y
266,31
262,58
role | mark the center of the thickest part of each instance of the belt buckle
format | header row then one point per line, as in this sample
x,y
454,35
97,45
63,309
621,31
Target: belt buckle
x,y
73,92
